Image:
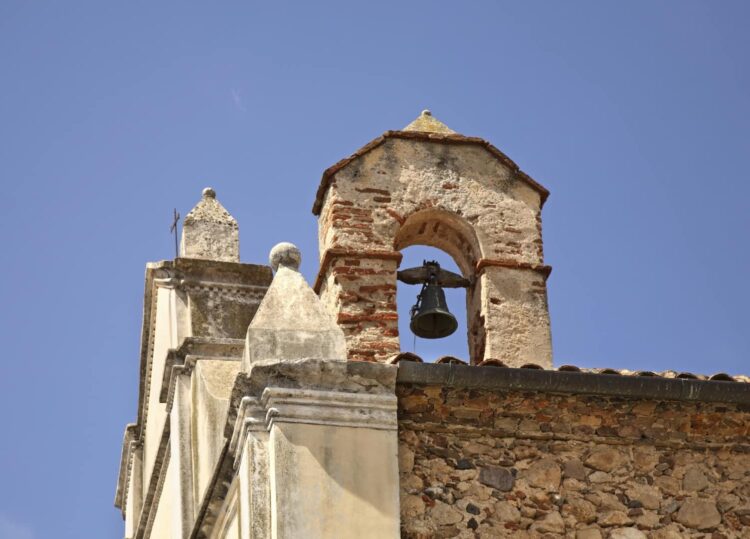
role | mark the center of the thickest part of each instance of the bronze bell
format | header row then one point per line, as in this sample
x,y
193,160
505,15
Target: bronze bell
x,y
430,317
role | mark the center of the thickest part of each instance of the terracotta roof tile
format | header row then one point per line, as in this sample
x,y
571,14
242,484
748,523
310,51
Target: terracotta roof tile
x,y
532,366
720,377
492,363
450,360
405,356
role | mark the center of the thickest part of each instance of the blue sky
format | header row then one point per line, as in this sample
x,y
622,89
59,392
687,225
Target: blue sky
x,y
635,116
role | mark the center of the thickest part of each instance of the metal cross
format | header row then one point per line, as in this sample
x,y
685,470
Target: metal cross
x,y
173,230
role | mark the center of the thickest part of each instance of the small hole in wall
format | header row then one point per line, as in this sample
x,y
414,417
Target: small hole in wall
x,y
429,350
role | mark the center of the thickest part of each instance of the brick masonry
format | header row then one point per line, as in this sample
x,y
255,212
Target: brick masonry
x,y
450,193
488,463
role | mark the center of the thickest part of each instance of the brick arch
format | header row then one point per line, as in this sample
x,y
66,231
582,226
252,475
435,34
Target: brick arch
x,y
443,230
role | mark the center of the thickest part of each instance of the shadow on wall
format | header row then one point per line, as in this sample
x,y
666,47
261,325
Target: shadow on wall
x,y
429,350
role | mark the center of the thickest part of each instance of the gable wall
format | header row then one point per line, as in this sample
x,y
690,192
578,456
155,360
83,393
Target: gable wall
x,y
368,197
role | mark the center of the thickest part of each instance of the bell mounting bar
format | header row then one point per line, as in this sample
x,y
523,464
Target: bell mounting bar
x,y
430,272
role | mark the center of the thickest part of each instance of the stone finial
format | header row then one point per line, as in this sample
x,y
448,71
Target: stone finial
x,y
427,123
285,254
291,322
210,232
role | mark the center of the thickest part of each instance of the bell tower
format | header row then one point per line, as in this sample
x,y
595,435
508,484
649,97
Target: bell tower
x,y
428,185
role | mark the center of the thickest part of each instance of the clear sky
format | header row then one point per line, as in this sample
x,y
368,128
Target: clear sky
x,y
635,115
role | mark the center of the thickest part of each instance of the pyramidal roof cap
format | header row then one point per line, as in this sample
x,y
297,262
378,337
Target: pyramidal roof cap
x,y
427,123
291,322
210,232
210,209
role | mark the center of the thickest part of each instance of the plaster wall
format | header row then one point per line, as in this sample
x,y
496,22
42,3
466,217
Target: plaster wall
x,y
163,525
134,501
164,338
211,388
228,522
352,473
180,456
129,514
232,528
254,487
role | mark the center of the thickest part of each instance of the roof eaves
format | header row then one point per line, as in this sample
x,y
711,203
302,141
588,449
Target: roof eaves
x,y
607,382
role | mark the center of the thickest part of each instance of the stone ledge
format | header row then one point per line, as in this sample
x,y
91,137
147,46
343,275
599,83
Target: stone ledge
x,y
217,271
310,374
190,351
512,379
335,408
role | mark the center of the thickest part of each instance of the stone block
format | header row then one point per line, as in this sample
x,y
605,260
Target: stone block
x,y
698,514
545,474
496,477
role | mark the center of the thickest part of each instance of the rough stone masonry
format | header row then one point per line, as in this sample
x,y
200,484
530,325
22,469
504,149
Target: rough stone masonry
x,y
483,461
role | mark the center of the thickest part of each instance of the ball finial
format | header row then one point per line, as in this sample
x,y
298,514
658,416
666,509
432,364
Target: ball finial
x,y
426,112
209,192
285,254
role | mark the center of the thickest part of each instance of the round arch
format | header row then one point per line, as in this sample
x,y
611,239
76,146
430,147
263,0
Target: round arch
x,y
445,231
453,235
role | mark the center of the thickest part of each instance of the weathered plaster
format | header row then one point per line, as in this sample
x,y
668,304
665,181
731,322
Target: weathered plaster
x,y
353,472
212,383
294,424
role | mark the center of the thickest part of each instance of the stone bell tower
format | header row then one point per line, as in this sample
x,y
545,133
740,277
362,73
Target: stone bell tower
x,y
428,185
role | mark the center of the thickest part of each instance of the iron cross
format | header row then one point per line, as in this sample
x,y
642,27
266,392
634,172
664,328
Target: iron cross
x,y
173,230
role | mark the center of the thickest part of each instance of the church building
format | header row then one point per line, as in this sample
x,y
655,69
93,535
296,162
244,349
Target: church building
x,y
273,408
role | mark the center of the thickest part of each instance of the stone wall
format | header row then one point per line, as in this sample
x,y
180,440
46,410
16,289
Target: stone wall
x,y
488,463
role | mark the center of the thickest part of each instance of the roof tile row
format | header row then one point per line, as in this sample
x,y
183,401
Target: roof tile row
x,y
450,360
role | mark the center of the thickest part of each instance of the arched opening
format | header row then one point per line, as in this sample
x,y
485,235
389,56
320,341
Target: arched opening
x,y
444,230
435,234
457,344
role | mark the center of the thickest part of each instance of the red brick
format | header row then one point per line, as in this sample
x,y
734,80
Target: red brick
x,y
372,190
